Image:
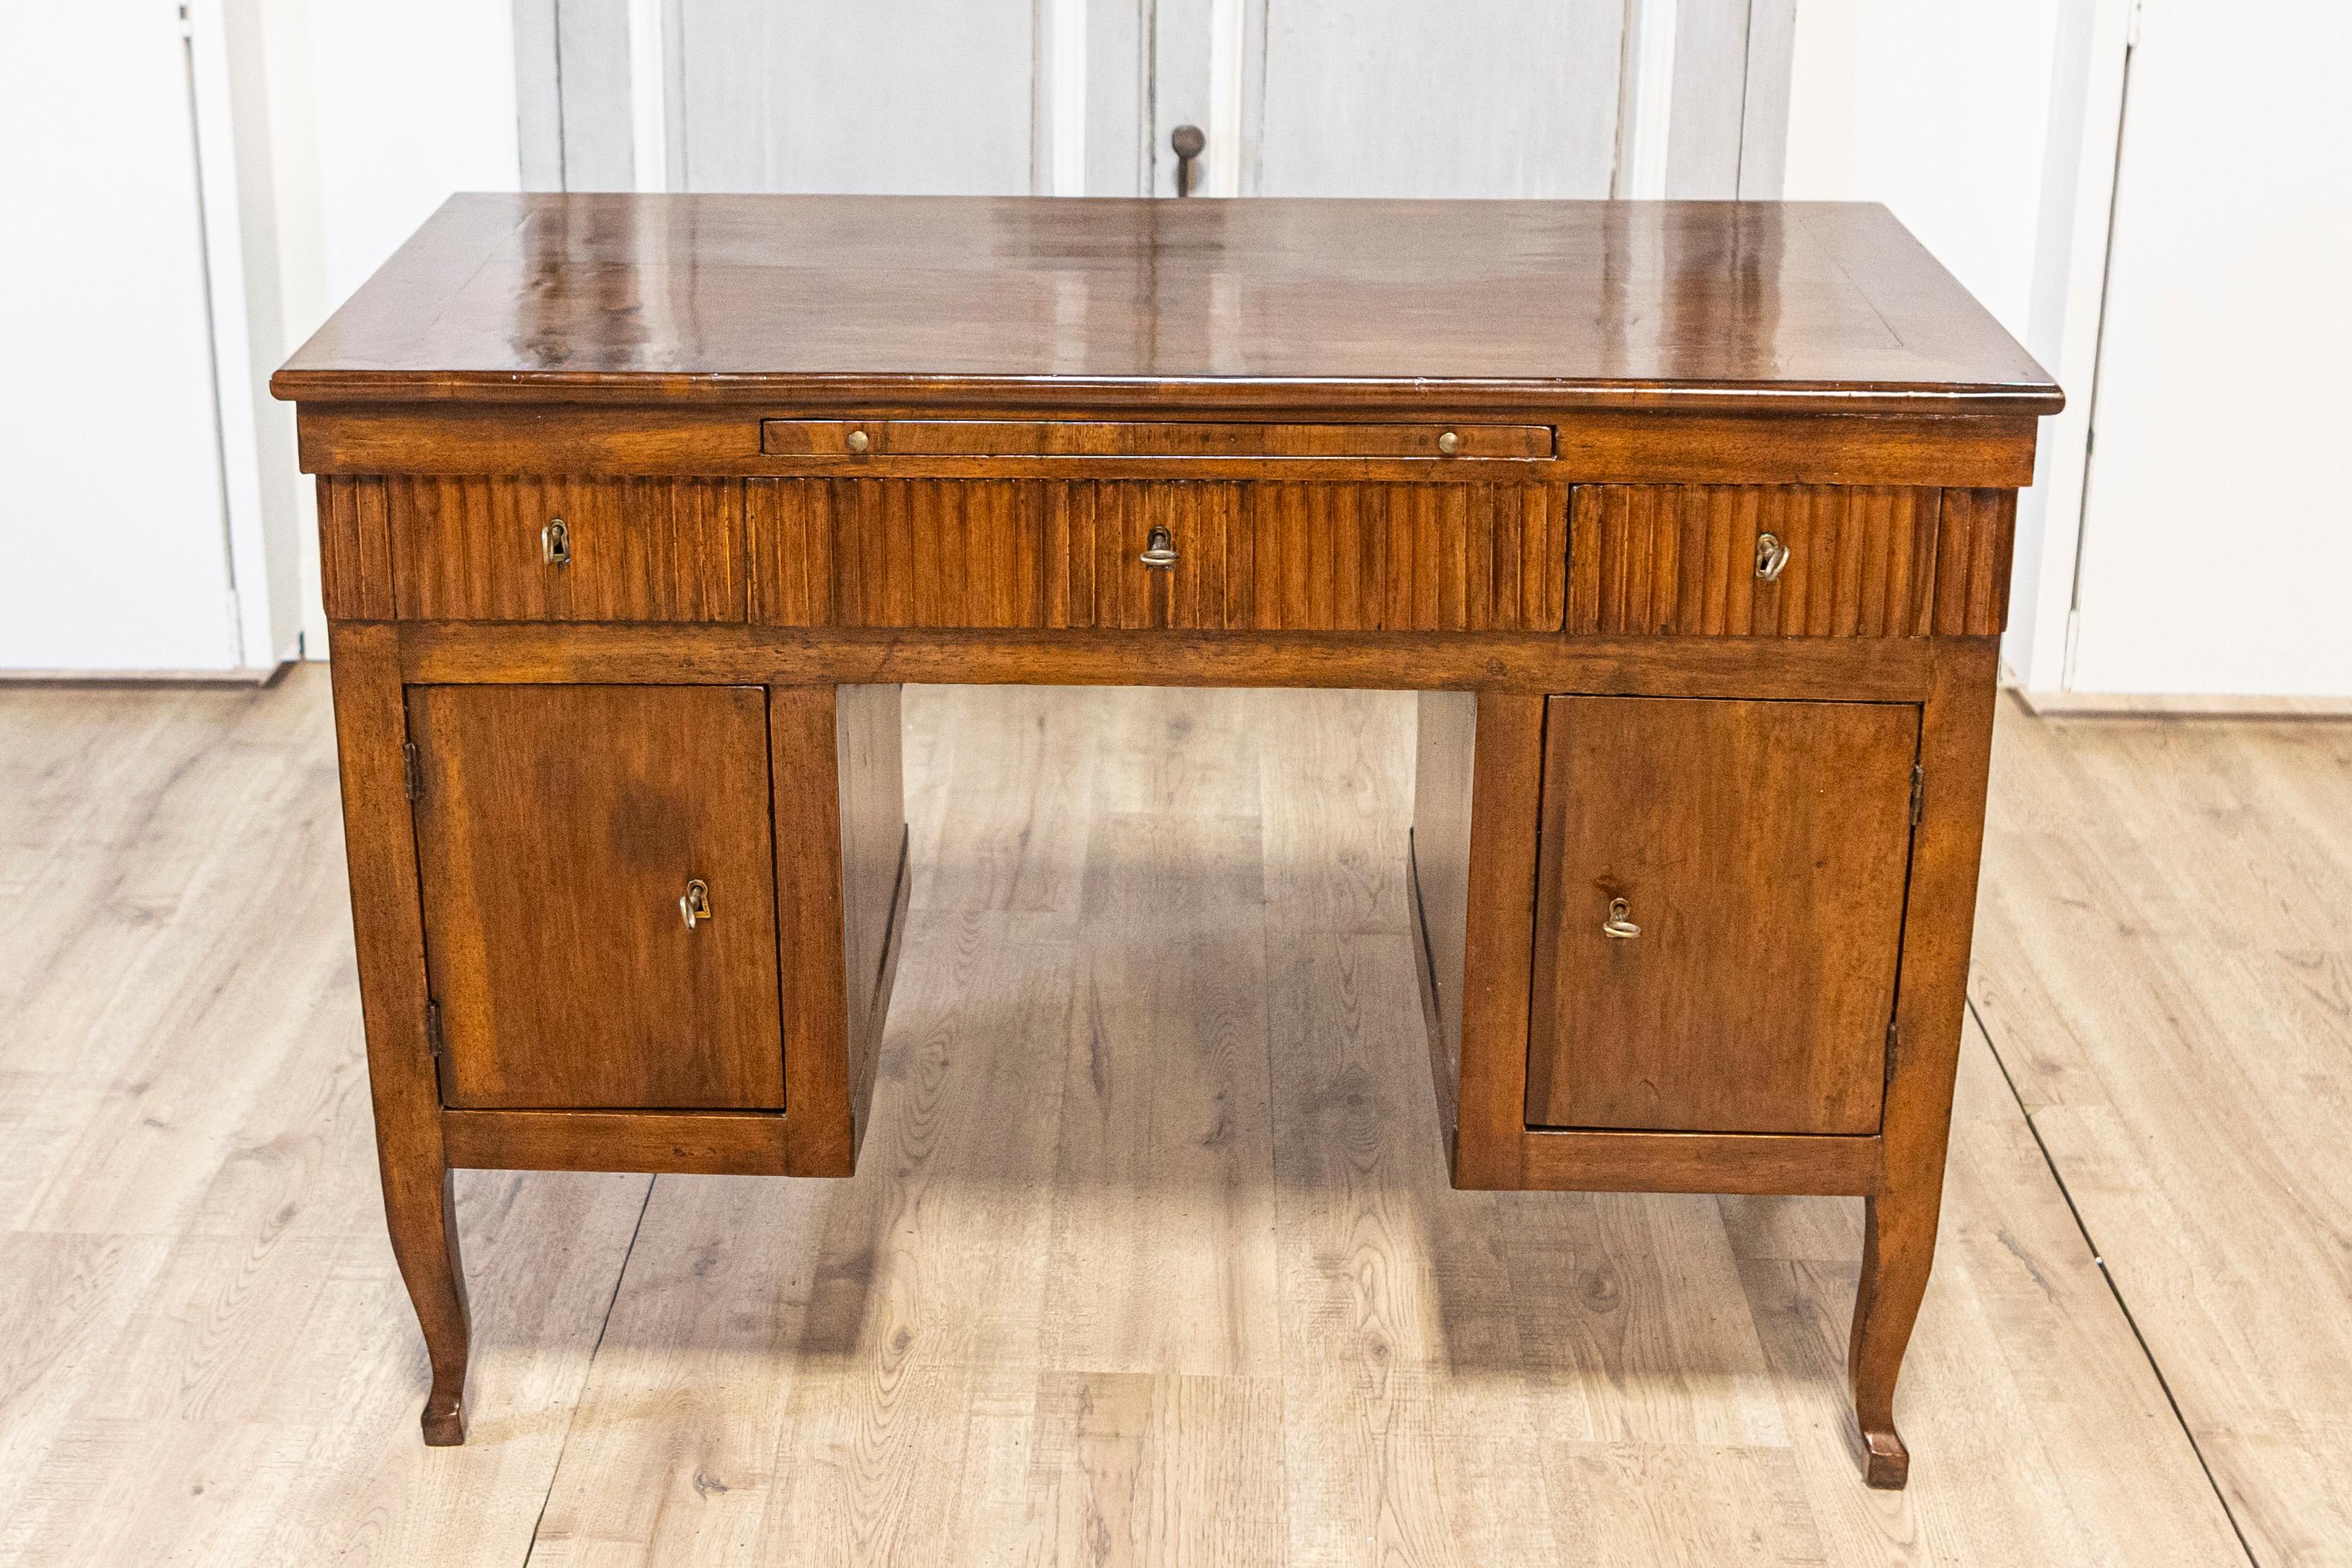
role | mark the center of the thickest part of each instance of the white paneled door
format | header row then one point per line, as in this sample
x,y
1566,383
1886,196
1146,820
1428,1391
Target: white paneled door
x,y
1352,98
2217,540
112,516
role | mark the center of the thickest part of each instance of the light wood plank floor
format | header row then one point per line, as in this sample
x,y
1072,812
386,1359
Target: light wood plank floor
x,y
1151,1258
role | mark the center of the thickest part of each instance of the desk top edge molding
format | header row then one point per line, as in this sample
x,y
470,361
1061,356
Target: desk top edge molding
x,y
1421,308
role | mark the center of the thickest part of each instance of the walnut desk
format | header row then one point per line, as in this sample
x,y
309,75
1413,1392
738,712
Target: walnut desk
x,y
1691,522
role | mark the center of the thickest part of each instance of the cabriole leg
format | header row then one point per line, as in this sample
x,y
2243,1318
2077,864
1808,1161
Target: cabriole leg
x,y
1898,1247
423,1216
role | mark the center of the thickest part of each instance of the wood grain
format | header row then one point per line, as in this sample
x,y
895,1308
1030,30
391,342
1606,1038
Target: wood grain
x,y
1147,439
1023,553
805,771
1586,1161
2163,950
468,548
875,880
388,929
354,549
1682,559
708,1142
1760,848
1496,1377
566,976
1505,797
1318,307
1899,1221
1445,743
1648,446
1975,542
1524,664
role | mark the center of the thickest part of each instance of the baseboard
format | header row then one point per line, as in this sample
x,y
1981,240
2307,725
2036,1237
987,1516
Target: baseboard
x,y
2163,705
263,675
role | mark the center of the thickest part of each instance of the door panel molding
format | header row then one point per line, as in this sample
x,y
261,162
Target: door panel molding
x,y
1108,81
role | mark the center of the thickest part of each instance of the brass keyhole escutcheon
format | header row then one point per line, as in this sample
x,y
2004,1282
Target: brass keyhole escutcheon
x,y
1159,549
1616,924
555,544
1772,556
696,904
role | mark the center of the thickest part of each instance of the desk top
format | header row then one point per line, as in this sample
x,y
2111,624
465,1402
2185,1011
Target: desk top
x,y
1334,305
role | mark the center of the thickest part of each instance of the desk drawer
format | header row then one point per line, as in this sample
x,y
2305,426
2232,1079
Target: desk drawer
x,y
1238,556
475,548
1790,560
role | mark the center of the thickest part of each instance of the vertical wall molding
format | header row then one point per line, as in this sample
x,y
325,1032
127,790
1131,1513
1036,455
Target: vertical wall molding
x,y
539,105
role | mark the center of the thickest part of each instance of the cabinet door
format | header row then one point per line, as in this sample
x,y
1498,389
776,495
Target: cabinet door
x,y
1762,850
557,829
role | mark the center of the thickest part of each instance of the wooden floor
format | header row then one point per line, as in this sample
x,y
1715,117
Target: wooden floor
x,y
1151,1258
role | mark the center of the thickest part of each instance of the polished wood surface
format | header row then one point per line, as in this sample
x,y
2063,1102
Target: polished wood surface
x,y
704,1142
388,930
1014,554
826,446
856,441
877,877
1759,849
1684,559
1896,670
557,829
211,1357
1649,445
815,302
471,548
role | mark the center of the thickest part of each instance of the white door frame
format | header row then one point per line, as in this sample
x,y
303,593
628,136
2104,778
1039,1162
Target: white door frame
x,y
2070,274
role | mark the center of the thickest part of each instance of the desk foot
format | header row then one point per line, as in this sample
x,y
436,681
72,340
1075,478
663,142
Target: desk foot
x,y
1886,1462
1898,1248
445,1418
422,1209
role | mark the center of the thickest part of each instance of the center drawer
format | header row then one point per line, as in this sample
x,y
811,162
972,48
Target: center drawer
x,y
1014,554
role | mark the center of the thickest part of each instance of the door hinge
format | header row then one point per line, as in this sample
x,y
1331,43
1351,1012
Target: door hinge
x,y
413,773
432,1029
1894,1048
1918,791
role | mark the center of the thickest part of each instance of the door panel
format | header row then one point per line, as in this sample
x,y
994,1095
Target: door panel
x,y
557,828
1401,97
914,96
1762,849
1508,98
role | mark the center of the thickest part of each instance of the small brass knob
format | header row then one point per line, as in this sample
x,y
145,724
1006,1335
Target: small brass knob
x,y
1449,444
859,441
1616,924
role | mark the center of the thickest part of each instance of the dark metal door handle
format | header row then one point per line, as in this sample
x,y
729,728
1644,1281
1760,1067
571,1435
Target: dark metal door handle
x,y
1187,142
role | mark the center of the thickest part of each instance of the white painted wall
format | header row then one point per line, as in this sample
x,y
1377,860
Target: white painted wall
x,y
2217,537
1987,128
2215,551
196,187
114,548
374,115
